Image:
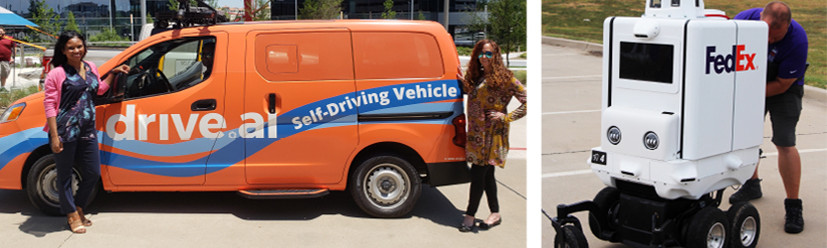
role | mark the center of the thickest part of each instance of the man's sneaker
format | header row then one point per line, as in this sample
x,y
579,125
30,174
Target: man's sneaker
x,y
794,220
751,190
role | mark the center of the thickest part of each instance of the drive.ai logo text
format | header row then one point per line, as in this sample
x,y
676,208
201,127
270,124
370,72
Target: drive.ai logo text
x,y
735,61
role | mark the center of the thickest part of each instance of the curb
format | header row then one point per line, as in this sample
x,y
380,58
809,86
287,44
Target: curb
x,y
595,49
815,93
588,47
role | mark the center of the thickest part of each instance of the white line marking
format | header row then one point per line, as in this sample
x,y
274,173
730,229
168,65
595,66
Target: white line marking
x,y
571,112
799,151
571,77
566,173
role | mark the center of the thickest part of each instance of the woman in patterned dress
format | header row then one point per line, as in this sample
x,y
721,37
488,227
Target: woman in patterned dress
x,y
70,122
490,87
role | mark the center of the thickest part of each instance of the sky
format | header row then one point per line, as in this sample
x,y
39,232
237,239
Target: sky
x,y
231,3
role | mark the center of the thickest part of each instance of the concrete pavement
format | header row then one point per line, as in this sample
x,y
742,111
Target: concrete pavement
x,y
571,127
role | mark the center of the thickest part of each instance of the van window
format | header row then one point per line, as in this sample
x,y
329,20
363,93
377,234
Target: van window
x,y
170,66
384,55
304,56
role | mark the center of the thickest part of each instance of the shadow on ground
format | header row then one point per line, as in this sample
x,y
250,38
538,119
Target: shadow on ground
x,y
432,205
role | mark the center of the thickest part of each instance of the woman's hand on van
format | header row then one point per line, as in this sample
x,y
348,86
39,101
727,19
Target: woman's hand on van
x,y
122,68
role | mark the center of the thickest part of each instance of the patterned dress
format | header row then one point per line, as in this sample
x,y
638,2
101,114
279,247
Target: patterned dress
x,y
76,118
488,139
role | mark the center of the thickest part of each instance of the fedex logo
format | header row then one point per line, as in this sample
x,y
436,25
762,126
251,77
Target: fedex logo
x,y
735,61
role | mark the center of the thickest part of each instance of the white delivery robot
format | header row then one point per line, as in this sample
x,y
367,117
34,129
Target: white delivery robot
x,y
682,119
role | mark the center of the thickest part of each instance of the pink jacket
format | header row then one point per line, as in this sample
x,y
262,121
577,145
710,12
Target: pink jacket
x,y
54,84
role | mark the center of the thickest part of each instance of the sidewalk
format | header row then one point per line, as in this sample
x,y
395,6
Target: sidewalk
x,y
23,77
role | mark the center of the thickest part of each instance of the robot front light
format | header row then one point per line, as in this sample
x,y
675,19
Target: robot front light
x,y
613,134
650,140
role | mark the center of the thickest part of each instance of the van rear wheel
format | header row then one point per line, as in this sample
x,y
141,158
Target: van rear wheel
x,y
385,186
42,187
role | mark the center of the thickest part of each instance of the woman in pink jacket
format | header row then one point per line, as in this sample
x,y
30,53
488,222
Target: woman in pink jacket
x,y
70,121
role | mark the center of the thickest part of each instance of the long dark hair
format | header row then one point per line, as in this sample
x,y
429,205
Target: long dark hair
x,y
498,78
59,58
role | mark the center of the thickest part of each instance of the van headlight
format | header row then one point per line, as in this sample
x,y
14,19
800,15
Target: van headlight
x,y
650,140
613,134
12,112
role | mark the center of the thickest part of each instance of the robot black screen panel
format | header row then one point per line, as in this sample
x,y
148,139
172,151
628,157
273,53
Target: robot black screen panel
x,y
647,62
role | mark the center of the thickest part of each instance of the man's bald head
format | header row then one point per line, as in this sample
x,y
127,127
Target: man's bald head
x,y
778,17
778,13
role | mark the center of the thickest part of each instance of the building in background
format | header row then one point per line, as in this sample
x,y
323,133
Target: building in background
x,y
93,16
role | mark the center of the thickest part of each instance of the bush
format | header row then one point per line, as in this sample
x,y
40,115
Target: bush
x,y
520,75
108,34
7,98
464,51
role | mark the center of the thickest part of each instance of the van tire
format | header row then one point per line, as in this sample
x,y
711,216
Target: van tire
x,y
41,185
385,186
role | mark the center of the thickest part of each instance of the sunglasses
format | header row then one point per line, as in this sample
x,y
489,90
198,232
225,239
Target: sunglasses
x,y
486,54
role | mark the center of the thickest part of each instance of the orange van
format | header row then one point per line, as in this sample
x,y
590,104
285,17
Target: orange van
x,y
270,110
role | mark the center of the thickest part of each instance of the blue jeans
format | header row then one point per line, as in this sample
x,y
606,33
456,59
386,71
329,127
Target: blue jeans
x,y
85,157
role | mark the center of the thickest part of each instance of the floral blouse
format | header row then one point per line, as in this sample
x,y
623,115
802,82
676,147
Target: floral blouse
x,y
488,139
76,118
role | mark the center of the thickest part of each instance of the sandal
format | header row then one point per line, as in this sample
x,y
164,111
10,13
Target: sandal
x,y
75,224
83,219
466,228
486,226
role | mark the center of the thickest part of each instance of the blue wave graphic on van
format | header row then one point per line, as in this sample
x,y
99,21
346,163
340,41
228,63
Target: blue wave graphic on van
x,y
335,111
21,142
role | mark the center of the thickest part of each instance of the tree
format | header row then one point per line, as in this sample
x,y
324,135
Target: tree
x,y
108,34
71,24
508,24
262,10
421,16
149,18
321,9
172,5
44,17
259,10
389,13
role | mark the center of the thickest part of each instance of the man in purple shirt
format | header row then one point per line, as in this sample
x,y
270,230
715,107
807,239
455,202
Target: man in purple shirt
x,y
786,63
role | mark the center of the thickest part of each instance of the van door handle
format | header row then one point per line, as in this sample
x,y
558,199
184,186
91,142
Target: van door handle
x,y
271,103
203,105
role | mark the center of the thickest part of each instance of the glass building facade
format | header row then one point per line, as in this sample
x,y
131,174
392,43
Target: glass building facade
x,y
93,16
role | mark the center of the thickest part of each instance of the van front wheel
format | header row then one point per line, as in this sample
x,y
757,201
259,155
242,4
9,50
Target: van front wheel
x,y
385,186
42,187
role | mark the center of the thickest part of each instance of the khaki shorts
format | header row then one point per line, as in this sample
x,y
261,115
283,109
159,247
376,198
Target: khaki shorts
x,y
5,69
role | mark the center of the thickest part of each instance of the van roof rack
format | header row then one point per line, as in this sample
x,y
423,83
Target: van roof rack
x,y
188,16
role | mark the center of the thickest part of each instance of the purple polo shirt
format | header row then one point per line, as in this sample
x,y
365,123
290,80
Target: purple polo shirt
x,y
789,54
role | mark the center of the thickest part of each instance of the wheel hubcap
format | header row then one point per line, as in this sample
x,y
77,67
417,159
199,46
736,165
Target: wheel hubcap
x,y
387,186
747,231
49,188
716,236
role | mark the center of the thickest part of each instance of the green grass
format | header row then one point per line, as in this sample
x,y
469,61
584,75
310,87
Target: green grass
x,y
520,75
583,20
7,98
